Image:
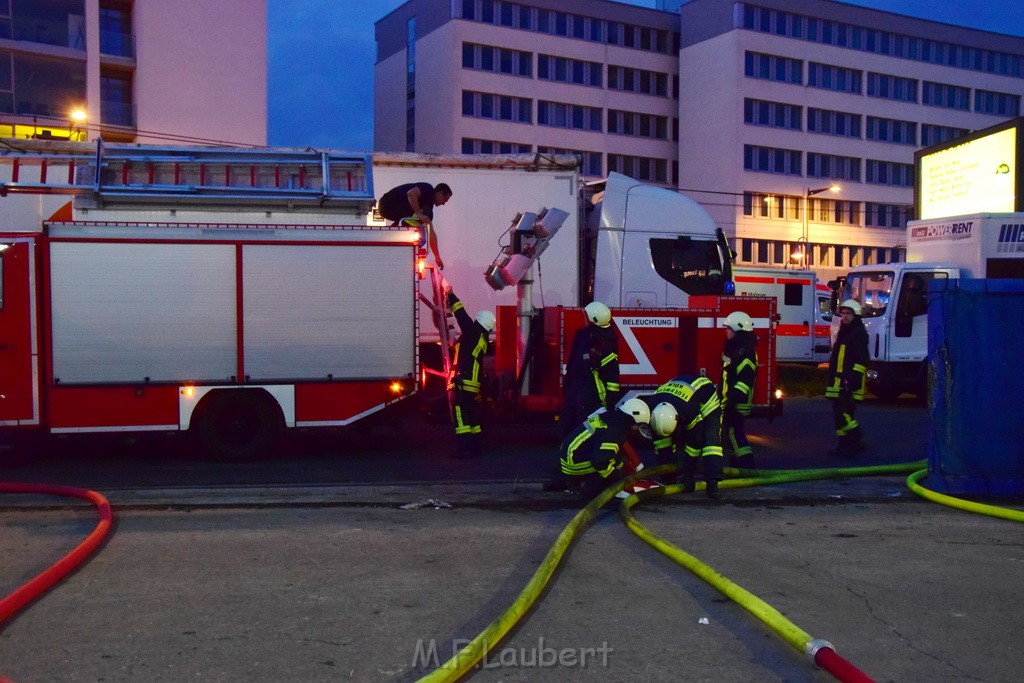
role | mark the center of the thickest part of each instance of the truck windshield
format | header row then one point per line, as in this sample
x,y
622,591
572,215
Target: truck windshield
x,y
872,290
694,266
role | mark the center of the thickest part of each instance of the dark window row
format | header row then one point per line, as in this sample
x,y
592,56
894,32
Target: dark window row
x,y
567,70
569,25
878,41
474,146
761,159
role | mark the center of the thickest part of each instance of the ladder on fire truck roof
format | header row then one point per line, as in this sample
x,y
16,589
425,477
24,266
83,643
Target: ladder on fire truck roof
x,y
227,175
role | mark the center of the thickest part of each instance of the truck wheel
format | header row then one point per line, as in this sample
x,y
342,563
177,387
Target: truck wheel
x,y
238,424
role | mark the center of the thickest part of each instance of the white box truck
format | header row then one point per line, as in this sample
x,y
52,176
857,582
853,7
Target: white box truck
x,y
894,295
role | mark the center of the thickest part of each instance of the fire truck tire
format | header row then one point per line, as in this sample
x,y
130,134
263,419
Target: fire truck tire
x,y
238,424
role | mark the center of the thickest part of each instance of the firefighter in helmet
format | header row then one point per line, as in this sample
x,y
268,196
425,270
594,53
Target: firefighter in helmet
x,y
847,373
589,456
466,380
739,373
686,422
592,372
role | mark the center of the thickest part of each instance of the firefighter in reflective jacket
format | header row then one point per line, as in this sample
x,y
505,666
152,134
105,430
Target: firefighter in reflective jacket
x,y
687,413
847,374
589,456
592,373
469,351
739,374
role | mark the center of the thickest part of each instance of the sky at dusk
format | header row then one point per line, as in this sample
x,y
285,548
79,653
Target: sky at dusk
x,y
321,55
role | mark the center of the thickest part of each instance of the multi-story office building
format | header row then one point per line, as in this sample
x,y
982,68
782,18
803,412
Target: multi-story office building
x,y
596,78
137,70
751,108
780,99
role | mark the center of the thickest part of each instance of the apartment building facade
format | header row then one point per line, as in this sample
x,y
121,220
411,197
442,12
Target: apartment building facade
x,y
754,109
188,71
594,78
780,99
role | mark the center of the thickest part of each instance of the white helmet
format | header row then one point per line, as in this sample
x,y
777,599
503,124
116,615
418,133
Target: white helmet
x,y
598,314
852,304
486,320
738,321
664,419
637,409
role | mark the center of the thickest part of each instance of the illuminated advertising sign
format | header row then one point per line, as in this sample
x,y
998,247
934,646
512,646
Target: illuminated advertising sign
x,y
976,174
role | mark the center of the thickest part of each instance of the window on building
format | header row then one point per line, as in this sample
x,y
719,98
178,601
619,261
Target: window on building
x,y
590,162
46,86
551,68
889,173
773,114
945,95
827,122
838,78
771,160
639,168
116,101
637,124
997,103
497,59
933,135
891,130
892,87
116,30
773,68
60,23
500,107
638,80
833,166
474,146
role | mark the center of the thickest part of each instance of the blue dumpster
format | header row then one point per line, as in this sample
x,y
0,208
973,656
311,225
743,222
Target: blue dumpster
x,y
976,387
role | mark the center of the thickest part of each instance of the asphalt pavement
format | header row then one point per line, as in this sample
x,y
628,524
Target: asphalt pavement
x,y
374,556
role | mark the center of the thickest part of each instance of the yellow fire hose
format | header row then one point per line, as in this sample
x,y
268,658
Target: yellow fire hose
x,y
819,651
969,506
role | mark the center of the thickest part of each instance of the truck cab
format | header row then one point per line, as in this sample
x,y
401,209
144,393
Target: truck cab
x,y
894,304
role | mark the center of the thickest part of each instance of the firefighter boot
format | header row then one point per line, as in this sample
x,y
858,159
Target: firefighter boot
x,y
855,441
687,470
464,444
712,475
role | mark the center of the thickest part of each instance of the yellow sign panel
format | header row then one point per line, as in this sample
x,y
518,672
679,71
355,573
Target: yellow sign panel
x,y
979,176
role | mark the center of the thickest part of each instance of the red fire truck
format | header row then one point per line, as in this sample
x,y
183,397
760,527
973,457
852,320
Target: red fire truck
x,y
234,293
223,292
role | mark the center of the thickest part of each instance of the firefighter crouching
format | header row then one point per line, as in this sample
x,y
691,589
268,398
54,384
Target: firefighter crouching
x,y
686,421
469,352
592,372
739,374
847,375
590,456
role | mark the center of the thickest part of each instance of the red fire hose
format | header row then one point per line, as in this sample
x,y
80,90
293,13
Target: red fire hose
x,y
13,603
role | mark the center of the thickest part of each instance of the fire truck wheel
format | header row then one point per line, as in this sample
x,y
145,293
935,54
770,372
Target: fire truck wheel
x,y
238,424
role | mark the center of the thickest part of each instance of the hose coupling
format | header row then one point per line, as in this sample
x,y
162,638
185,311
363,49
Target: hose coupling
x,y
811,648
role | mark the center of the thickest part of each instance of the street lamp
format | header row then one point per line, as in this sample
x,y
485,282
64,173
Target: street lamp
x,y
77,117
805,237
